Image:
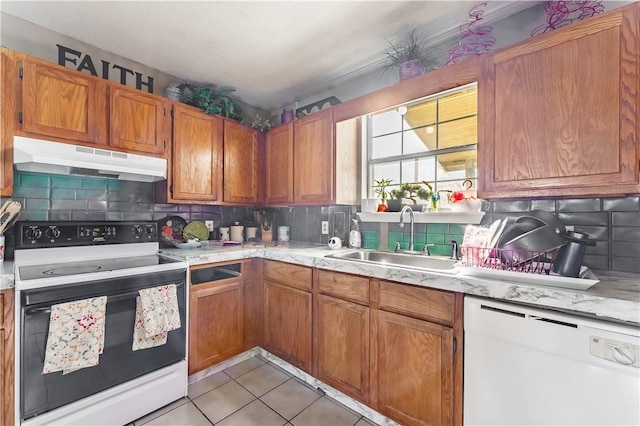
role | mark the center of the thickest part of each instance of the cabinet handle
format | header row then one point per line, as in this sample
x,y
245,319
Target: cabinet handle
x,y
455,345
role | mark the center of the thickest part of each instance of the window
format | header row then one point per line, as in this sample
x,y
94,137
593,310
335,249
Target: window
x,y
433,139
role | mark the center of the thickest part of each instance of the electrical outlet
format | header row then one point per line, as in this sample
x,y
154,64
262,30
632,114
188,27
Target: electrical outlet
x,y
325,227
209,225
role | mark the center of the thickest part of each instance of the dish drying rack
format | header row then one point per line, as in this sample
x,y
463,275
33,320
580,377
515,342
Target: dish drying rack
x,y
524,261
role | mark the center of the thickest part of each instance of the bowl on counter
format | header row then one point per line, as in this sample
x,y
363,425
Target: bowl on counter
x,y
188,245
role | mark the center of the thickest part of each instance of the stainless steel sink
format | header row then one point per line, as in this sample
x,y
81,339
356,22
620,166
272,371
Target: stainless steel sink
x,y
411,261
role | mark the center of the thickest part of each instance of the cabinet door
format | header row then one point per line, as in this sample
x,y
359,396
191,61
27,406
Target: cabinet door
x,y
414,370
5,391
197,148
279,160
216,324
59,102
342,346
137,121
287,324
253,303
240,164
10,63
562,112
6,357
314,159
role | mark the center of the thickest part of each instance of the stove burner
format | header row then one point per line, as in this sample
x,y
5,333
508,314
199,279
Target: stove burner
x,y
72,270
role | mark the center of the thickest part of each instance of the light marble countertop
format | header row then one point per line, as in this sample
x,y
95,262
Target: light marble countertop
x,y
615,297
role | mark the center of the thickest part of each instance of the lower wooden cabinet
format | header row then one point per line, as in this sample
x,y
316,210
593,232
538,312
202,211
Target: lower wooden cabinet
x,y
342,346
414,370
287,323
394,347
216,317
417,350
6,357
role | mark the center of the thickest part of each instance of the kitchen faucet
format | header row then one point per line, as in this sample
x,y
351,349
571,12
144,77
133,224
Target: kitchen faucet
x,y
411,219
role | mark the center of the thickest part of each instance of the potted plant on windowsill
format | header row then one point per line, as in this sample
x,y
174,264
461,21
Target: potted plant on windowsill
x,y
413,192
412,58
381,190
394,203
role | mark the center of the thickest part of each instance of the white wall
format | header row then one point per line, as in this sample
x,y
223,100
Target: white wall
x,y
34,40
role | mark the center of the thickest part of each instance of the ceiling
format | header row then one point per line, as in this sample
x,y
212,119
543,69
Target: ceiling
x,y
272,52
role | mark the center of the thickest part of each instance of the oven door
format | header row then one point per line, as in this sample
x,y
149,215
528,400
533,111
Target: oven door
x,y
41,393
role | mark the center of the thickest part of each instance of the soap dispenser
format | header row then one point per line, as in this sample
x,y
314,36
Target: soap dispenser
x,y
355,240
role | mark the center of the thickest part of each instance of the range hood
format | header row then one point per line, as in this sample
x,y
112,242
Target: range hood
x,y
34,155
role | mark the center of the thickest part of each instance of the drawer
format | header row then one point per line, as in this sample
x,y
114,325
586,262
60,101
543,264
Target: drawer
x,y
288,274
419,302
344,286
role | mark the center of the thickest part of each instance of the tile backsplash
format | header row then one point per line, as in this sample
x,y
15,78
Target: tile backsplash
x,y
613,222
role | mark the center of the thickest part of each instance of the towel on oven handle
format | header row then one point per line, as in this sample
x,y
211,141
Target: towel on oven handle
x,y
76,335
157,313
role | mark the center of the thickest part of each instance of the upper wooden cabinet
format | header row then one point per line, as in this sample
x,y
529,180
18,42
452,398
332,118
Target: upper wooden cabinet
x,y
61,103
196,172
313,159
137,120
240,164
46,101
279,165
560,112
10,94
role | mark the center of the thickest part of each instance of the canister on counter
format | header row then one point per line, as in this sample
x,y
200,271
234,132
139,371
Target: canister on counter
x,y
283,233
224,233
237,233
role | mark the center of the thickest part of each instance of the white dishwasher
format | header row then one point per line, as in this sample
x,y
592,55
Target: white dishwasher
x,y
525,366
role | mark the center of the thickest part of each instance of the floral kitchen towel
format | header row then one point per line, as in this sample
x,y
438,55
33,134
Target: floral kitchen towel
x,y
140,339
156,314
76,335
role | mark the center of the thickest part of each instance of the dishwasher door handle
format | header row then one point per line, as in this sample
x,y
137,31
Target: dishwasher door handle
x,y
553,321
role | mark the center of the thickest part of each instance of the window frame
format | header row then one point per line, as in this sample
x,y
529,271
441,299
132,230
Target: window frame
x,y
368,183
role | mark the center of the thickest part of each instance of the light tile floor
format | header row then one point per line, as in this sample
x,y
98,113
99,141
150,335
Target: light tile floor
x,y
253,392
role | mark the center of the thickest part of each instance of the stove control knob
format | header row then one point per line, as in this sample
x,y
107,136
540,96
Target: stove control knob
x,y
52,232
150,230
137,230
33,233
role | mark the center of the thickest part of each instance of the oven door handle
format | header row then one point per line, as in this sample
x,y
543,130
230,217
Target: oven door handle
x,y
115,298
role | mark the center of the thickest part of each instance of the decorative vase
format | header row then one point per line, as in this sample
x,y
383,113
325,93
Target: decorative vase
x,y
286,116
172,93
410,69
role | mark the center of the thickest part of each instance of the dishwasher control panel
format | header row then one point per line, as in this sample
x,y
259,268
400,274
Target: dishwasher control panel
x,y
623,353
